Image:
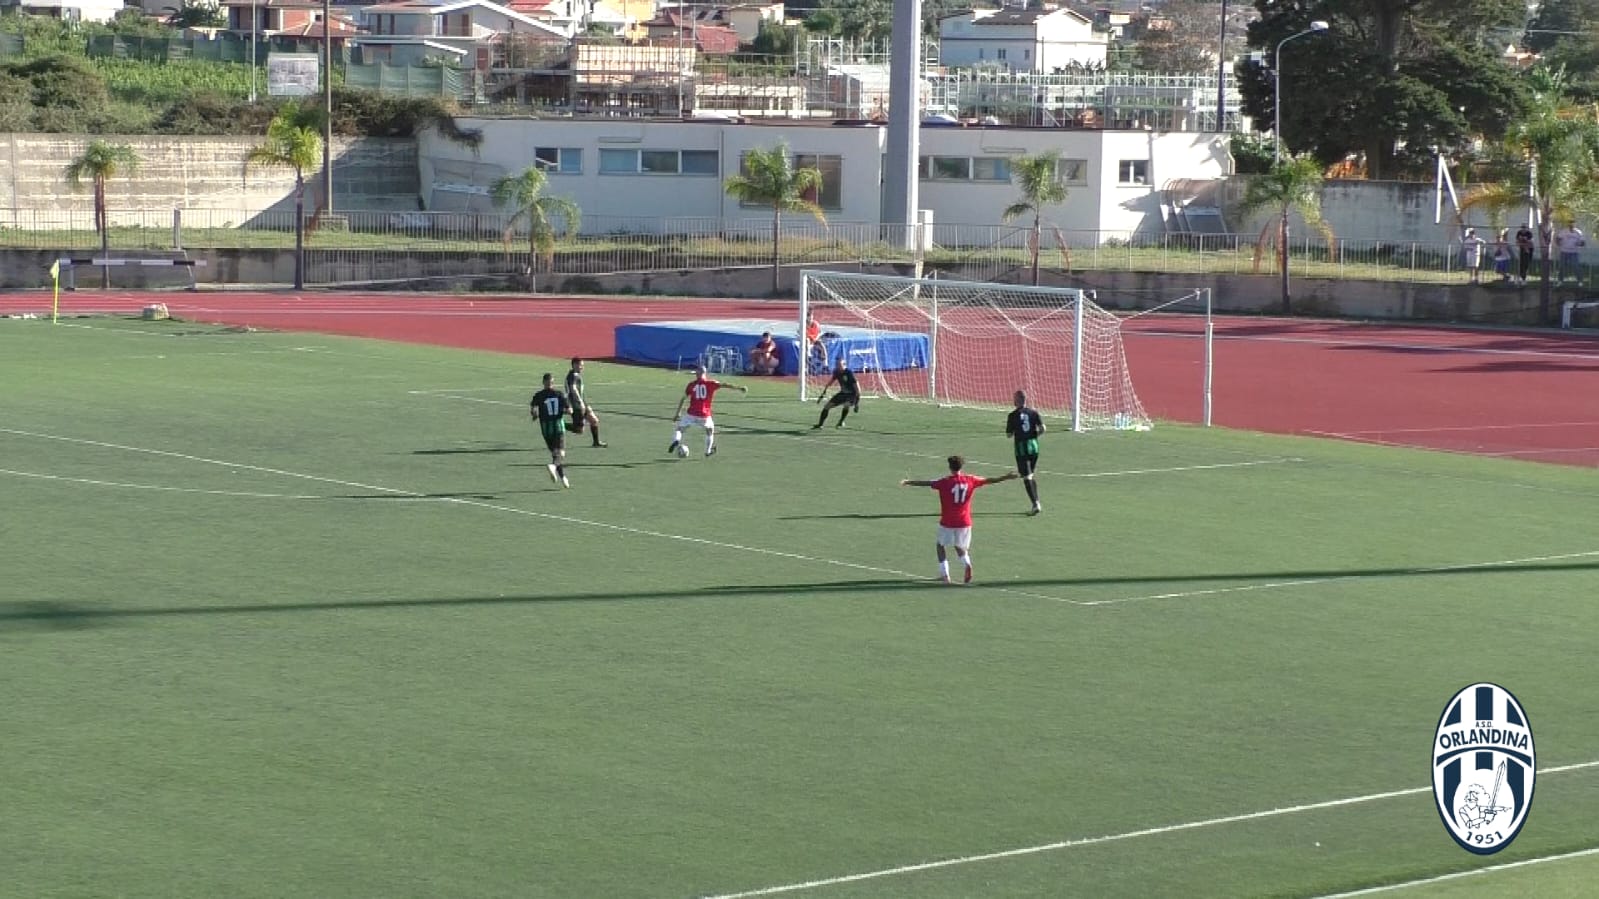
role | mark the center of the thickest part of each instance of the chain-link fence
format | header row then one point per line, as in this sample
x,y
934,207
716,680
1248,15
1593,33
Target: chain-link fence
x,y
612,245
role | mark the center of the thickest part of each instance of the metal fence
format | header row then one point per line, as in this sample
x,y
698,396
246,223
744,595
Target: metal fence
x,y
613,245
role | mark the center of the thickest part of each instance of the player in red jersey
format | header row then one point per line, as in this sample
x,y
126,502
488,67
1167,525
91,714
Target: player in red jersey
x,y
955,512
699,394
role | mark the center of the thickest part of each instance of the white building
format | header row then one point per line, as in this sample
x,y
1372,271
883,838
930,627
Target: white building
x,y
461,32
70,10
1020,40
643,175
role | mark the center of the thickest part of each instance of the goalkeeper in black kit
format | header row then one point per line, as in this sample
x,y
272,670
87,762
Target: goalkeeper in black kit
x,y
848,396
1025,426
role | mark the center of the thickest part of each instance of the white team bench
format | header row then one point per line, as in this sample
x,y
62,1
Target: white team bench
x,y
1571,306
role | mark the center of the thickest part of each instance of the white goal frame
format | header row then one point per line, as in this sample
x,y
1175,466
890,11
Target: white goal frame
x,y
1053,310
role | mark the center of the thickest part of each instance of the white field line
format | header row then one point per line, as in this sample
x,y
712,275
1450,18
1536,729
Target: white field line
x,y
1400,444
757,550
1340,578
567,519
1472,872
97,483
881,450
1094,841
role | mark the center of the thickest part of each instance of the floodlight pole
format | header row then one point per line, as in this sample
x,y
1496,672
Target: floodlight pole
x,y
1221,73
255,19
1316,27
327,105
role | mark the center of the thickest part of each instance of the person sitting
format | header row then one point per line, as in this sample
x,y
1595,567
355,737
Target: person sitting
x,y
763,356
815,350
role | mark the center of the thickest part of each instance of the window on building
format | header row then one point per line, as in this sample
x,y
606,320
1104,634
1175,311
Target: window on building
x,y
1000,53
559,160
831,196
964,168
946,168
659,162
1071,171
700,162
990,168
1132,171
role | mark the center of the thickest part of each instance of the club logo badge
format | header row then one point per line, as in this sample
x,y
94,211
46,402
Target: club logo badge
x,y
1483,767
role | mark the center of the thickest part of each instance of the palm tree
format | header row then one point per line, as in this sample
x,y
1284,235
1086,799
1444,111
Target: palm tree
x,y
99,163
1547,161
1039,179
525,194
770,179
291,143
1292,184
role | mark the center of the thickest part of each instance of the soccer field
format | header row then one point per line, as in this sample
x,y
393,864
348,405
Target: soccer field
x,y
304,615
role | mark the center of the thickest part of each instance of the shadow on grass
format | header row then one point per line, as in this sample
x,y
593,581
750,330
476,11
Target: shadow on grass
x,y
470,450
874,516
64,615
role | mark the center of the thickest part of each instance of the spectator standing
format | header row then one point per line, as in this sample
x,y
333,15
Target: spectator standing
x,y
1524,249
1471,254
1570,241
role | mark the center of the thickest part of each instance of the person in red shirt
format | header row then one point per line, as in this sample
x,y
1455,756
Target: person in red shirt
x,y
699,394
763,356
955,512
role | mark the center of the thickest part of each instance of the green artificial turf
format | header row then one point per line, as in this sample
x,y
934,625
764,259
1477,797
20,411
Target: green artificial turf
x,y
289,614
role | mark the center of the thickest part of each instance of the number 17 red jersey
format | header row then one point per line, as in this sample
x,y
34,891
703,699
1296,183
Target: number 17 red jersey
x,y
955,499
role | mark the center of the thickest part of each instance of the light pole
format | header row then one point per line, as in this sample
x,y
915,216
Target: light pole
x,y
255,19
1316,27
1221,73
327,104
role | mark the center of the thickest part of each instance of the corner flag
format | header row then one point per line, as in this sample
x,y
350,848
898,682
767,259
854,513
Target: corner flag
x,y
55,291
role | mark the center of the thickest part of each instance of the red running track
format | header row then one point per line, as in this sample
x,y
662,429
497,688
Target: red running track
x,y
1530,395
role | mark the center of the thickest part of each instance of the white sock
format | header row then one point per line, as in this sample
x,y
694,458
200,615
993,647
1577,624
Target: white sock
x,y
677,436
943,569
710,441
967,559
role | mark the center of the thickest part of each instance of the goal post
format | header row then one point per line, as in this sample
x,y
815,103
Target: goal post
x,y
968,343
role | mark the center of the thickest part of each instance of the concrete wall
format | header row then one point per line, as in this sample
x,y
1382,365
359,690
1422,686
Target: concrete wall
x,y
1117,290
1393,212
192,173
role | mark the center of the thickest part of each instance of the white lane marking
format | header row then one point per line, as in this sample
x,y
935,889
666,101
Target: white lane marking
x,y
1517,427
1338,578
1471,872
1377,344
98,483
1093,841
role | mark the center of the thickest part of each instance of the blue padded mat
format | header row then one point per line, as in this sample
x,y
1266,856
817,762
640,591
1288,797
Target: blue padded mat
x,y
680,344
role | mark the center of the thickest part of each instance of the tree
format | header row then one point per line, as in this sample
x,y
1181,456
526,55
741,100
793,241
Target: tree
x,y
196,14
1180,38
1565,35
292,141
1394,80
99,163
1293,184
769,178
547,217
1549,160
1038,177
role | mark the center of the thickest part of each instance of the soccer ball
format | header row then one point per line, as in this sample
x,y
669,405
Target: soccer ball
x,y
682,450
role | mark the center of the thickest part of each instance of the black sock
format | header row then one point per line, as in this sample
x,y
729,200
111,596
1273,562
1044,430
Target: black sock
x,y
1032,489
560,470
843,414
595,430
823,420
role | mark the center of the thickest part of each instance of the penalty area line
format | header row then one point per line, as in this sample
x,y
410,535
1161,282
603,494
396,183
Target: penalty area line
x,y
1337,578
1457,875
1095,841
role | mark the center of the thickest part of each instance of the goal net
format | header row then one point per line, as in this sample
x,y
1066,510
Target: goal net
x,y
965,343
